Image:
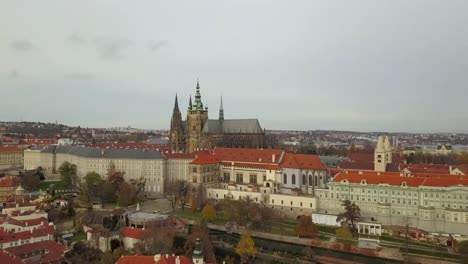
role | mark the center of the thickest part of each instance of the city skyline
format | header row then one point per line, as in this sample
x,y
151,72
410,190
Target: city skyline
x,y
360,66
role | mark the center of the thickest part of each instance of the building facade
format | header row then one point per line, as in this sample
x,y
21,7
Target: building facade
x,y
199,132
10,156
435,204
137,164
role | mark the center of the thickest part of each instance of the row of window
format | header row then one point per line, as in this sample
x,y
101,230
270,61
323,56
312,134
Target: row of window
x,y
311,181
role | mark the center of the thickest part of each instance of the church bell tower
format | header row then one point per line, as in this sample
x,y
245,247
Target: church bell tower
x,y
176,136
197,115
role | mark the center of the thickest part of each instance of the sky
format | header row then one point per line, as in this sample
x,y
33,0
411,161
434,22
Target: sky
x,y
361,65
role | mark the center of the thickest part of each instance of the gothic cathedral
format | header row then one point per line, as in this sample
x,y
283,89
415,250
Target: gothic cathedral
x,y
198,132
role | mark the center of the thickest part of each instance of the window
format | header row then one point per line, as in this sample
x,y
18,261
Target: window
x,y
311,181
264,177
226,176
239,177
194,169
304,182
253,178
285,178
293,179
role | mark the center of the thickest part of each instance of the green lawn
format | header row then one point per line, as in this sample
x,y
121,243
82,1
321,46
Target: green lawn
x,y
57,185
78,237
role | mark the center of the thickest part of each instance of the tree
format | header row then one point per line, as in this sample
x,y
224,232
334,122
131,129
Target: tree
x,y
114,176
246,248
108,192
156,241
343,235
200,230
138,185
305,227
68,173
463,250
175,192
209,213
308,253
81,253
125,195
91,186
351,214
406,222
31,181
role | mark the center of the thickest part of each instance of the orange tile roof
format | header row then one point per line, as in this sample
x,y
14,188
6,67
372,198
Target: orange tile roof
x,y
9,148
30,222
395,179
426,168
6,258
302,161
136,233
38,232
248,155
9,181
205,159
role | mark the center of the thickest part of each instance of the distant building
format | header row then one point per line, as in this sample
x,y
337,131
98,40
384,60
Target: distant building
x,y
8,185
10,156
136,163
199,132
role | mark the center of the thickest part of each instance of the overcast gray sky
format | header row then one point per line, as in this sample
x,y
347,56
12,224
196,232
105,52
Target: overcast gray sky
x,y
350,65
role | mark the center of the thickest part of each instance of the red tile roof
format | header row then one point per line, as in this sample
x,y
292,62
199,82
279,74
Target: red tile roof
x,y
395,179
302,161
462,167
6,258
39,232
35,247
9,181
356,165
136,233
30,222
139,259
248,155
186,155
362,157
38,141
9,148
205,159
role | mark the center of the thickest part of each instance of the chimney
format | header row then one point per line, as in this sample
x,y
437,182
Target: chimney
x,y
157,257
177,260
273,158
360,172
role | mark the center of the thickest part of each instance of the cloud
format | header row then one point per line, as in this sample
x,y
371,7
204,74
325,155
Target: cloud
x,y
76,38
156,45
22,45
79,76
111,48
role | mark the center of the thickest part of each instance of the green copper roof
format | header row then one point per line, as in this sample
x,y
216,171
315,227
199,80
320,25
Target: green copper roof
x,y
198,105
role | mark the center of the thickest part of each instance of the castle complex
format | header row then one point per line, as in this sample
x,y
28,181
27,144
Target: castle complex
x,y
198,132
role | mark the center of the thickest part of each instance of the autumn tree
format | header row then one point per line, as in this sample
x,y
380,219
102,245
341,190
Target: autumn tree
x,y
114,176
157,240
31,181
246,248
343,235
125,194
305,227
209,213
351,214
175,192
200,230
138,185
68,172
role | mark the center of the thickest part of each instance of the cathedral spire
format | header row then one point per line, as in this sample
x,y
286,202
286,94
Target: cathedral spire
x,y
176,104
198,106
190,104
221,110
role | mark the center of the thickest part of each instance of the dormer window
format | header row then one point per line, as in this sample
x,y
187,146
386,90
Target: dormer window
x,y
404,184
344,181
363,181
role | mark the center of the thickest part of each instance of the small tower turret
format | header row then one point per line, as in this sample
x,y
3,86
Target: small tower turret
x,y
197,256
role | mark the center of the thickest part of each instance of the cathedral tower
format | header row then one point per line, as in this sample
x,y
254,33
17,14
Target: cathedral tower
x,y
221,110
176,136
197,115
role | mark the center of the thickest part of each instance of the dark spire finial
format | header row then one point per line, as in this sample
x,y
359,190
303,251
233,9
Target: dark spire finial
x,y
190,104
176,104
198,106
221,110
